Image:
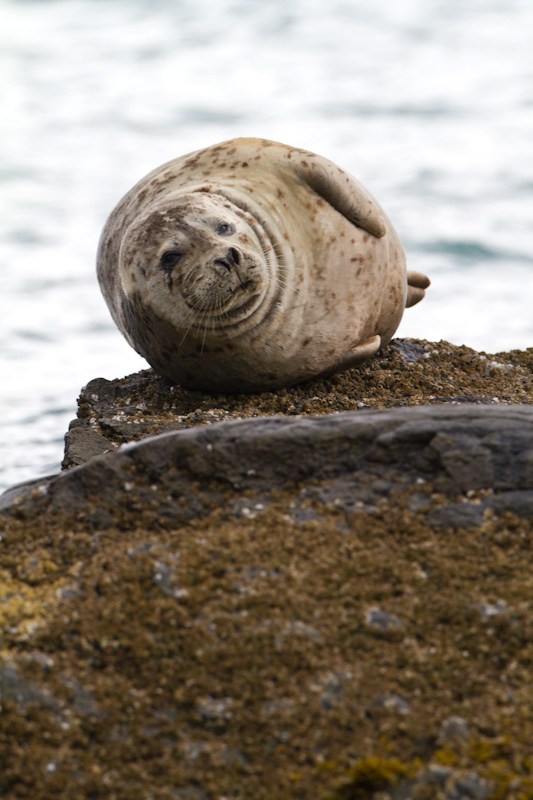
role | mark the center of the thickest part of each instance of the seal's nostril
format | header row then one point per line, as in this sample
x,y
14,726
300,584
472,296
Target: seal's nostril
x,y
234,256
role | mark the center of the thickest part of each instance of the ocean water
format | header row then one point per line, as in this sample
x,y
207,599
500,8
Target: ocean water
x,y
428,102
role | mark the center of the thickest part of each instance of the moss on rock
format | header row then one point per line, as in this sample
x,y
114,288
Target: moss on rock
x,y
236,656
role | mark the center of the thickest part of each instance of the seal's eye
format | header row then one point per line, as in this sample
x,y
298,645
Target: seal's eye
x,y
225,228
169,260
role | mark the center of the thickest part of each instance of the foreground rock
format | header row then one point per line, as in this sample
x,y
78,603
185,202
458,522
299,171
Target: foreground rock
x,y
293,607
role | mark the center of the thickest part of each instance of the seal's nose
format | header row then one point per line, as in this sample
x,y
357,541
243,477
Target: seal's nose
x,y
232,259
234,255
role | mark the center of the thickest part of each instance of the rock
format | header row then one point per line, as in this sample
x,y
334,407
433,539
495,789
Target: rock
x,y
382,622
385,779
295,604
452,728
458,515
15,493
391,702
22,691
448,784
354,460
82,443
407,372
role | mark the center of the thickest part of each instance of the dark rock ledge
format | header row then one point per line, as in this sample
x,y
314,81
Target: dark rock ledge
x,y
479,457
307,604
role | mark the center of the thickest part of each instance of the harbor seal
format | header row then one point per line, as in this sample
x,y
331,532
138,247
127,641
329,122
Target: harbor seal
x,y
251,265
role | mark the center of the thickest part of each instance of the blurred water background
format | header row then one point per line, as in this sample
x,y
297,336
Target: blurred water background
x,y
428,102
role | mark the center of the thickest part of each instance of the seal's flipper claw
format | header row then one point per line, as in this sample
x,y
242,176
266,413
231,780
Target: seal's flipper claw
x,y
343,192
417,283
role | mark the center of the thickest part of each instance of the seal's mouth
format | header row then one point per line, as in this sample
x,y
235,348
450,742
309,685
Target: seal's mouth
x,y
224,289
234,303
243,309
243,287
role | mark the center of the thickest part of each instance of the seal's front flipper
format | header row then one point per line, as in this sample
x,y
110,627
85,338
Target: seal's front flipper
x,y
342,191
357,354
417,283
360,353
364,350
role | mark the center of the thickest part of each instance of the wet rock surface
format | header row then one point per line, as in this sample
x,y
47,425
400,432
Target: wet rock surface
x,y
295,604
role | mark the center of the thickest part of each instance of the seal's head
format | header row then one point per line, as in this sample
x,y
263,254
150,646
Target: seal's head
x,y
198,261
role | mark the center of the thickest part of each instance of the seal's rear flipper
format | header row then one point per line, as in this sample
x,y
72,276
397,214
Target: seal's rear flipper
x,y
417,283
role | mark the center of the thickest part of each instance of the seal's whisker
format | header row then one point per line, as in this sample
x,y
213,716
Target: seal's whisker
x,y
284,284
192,313
204,323
203,340
279,256
189,273
219,311
191,316
282,263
